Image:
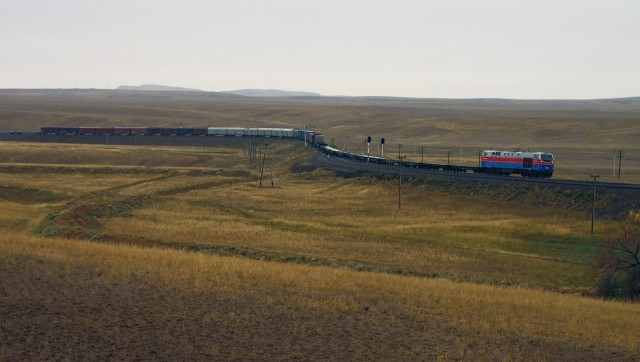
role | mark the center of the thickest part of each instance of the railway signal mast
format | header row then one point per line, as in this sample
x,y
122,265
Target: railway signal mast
x,y
382,147
400,183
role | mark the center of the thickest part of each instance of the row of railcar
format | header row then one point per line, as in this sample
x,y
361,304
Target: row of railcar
x,y
124,131
310,136
252,132
526,164
393,162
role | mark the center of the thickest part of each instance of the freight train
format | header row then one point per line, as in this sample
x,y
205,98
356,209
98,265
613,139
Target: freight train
x,y
527,164
310,136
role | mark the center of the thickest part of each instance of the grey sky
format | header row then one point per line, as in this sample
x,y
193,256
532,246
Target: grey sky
x,y
446,48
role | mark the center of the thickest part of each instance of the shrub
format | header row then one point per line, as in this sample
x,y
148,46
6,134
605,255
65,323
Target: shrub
x,y
620,262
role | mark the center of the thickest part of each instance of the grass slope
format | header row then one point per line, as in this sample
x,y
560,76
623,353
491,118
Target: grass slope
x,y
317,267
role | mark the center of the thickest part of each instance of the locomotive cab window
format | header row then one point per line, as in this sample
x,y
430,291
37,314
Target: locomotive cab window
x,y
547,157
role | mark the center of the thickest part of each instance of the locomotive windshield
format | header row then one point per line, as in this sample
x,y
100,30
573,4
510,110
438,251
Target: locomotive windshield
x,y
546,157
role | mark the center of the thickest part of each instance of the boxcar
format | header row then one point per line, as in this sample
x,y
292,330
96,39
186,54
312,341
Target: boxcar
x,y
185,131
68,130
104,131
88,131
199,131
139,131
50,130
122,131
154,131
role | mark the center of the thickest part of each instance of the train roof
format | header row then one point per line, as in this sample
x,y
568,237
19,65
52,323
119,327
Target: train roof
x,y
515,153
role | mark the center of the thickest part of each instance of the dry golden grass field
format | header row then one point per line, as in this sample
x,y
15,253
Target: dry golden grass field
x,y
174,253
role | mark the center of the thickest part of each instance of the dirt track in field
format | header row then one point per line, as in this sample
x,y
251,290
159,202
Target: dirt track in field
x,y
52,311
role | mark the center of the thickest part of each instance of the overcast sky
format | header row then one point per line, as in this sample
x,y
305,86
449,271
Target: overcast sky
x,y
414,48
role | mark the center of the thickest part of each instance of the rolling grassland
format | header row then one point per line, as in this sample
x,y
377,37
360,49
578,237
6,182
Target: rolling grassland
x,y
123,252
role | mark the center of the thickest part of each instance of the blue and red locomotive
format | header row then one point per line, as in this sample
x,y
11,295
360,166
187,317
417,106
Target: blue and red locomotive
x,y
533,164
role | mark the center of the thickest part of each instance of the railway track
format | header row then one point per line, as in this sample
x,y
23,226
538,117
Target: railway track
x,y
349,165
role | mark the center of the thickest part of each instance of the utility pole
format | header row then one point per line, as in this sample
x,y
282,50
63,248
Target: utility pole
x,y
257,150
400,182
264,155
593,205
619,163
254,155
614,162
271,170
617,159
422,154
448,154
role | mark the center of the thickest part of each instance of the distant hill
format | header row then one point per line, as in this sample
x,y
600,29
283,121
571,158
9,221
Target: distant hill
x,y
271,93
155,87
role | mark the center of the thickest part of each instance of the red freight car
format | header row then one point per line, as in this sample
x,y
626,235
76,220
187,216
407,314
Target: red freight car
x,y
104,131
87,130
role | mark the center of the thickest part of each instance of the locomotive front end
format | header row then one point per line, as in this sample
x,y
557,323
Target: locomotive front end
x,y
544,164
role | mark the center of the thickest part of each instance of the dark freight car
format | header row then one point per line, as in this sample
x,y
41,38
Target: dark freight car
x,y
68,130
139,131
185,131
122,131
154,131
50,130
199,131
170,131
